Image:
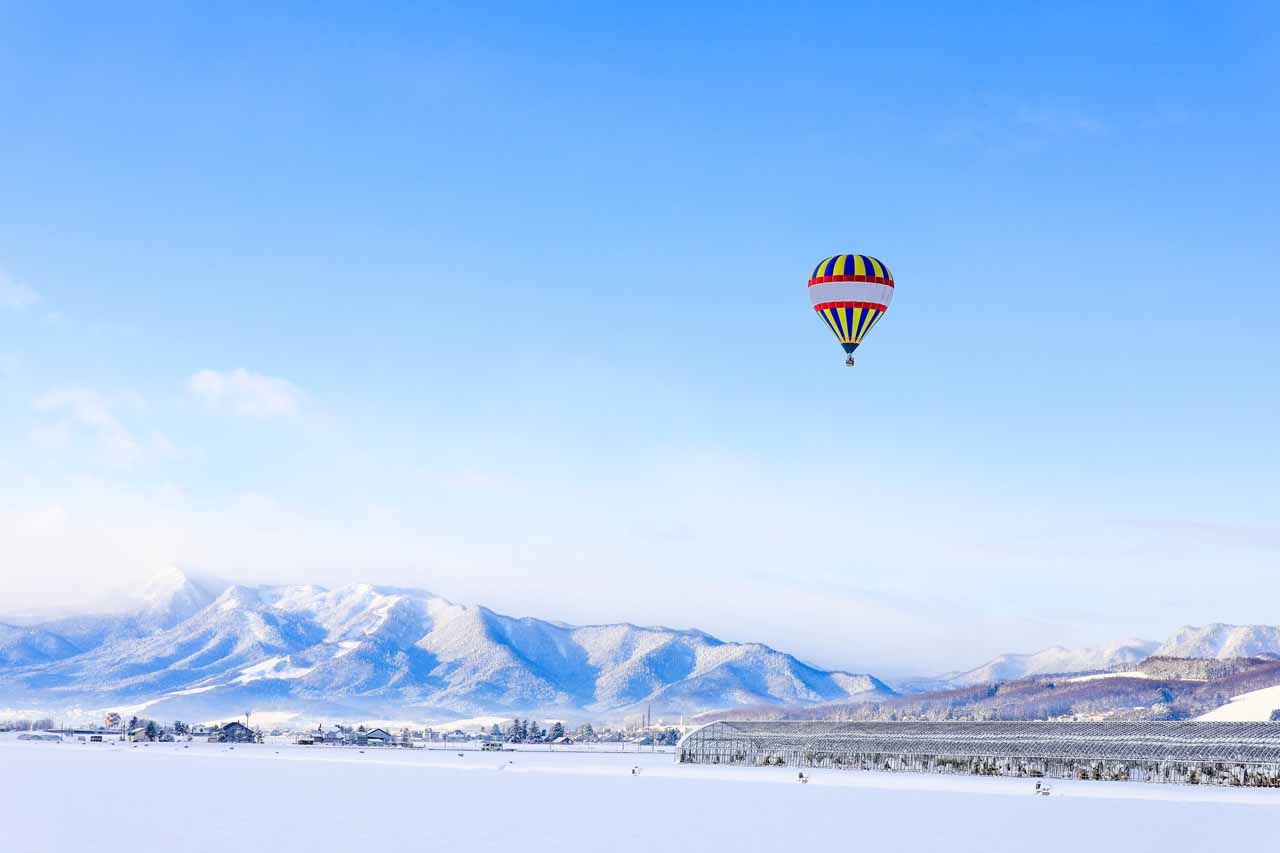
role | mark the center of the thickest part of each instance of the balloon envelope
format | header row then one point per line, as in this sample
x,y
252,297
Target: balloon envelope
x,y
851,293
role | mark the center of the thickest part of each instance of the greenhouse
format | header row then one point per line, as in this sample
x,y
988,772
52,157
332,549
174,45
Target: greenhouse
x,y
1210,753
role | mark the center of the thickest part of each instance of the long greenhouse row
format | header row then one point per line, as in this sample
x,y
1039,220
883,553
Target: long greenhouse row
x,y
1186,752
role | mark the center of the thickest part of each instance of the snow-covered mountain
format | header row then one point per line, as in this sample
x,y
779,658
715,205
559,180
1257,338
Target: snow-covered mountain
x,y
364,648
21,645
1217,640
162,602
1053,660
1213,641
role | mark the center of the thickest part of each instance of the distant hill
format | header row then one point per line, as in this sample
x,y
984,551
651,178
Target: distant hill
x,y
1056,659
1159,688
1217,640
189,648
1194,672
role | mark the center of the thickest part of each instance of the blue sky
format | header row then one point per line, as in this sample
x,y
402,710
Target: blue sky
x,y
507,301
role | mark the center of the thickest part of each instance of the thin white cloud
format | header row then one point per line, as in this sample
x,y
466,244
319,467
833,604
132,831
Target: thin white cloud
x,y
81,412
16,294
246,393
998,124
1058,120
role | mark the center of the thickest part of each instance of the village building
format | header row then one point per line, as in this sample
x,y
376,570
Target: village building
x,y
234,732
377,737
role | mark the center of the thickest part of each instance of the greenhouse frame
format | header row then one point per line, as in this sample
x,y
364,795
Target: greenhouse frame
x,y
1211,753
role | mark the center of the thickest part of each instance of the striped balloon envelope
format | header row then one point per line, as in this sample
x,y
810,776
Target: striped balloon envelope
x,y
851,293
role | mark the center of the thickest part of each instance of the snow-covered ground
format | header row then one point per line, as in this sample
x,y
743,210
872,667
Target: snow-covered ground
x,y
1255,705
113,798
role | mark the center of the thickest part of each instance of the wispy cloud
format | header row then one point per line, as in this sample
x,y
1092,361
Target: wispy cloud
x,y
1000,124
246,393
82,412
1057,119
16,294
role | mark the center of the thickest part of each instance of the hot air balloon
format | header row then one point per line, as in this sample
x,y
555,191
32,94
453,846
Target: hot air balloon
x,y
112,720
851,293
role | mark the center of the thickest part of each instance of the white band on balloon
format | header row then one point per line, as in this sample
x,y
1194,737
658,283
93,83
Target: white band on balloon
x,y
851,291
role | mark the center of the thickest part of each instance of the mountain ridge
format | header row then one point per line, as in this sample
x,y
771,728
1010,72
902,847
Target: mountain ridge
x,y
1219,640
368,648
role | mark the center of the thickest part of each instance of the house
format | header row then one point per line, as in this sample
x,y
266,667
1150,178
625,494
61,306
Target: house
x,y
138,734
377,737
234,732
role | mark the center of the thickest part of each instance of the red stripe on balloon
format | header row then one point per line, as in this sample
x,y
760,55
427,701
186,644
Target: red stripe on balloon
x,y
869,278
824,305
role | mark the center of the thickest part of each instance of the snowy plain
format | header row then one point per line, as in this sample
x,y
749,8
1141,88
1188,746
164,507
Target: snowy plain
x,y
121,798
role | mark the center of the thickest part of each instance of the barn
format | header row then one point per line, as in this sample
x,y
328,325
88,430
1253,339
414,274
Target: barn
x,y
376,737
234,732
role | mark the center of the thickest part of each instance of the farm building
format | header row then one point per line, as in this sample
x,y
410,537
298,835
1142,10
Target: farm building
x,y
376,737
1190,752
233,733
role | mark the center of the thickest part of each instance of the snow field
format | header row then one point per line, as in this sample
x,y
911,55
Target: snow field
x,y
118,798
1256,705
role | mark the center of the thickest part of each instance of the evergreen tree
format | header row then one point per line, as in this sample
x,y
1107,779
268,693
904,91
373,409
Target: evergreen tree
x,y
152,731
557,731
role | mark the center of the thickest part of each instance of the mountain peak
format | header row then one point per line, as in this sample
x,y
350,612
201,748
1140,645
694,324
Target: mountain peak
x,y
162,585
173,595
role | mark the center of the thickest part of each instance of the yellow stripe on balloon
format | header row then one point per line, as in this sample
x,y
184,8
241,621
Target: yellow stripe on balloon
x,y
832,322
872,322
